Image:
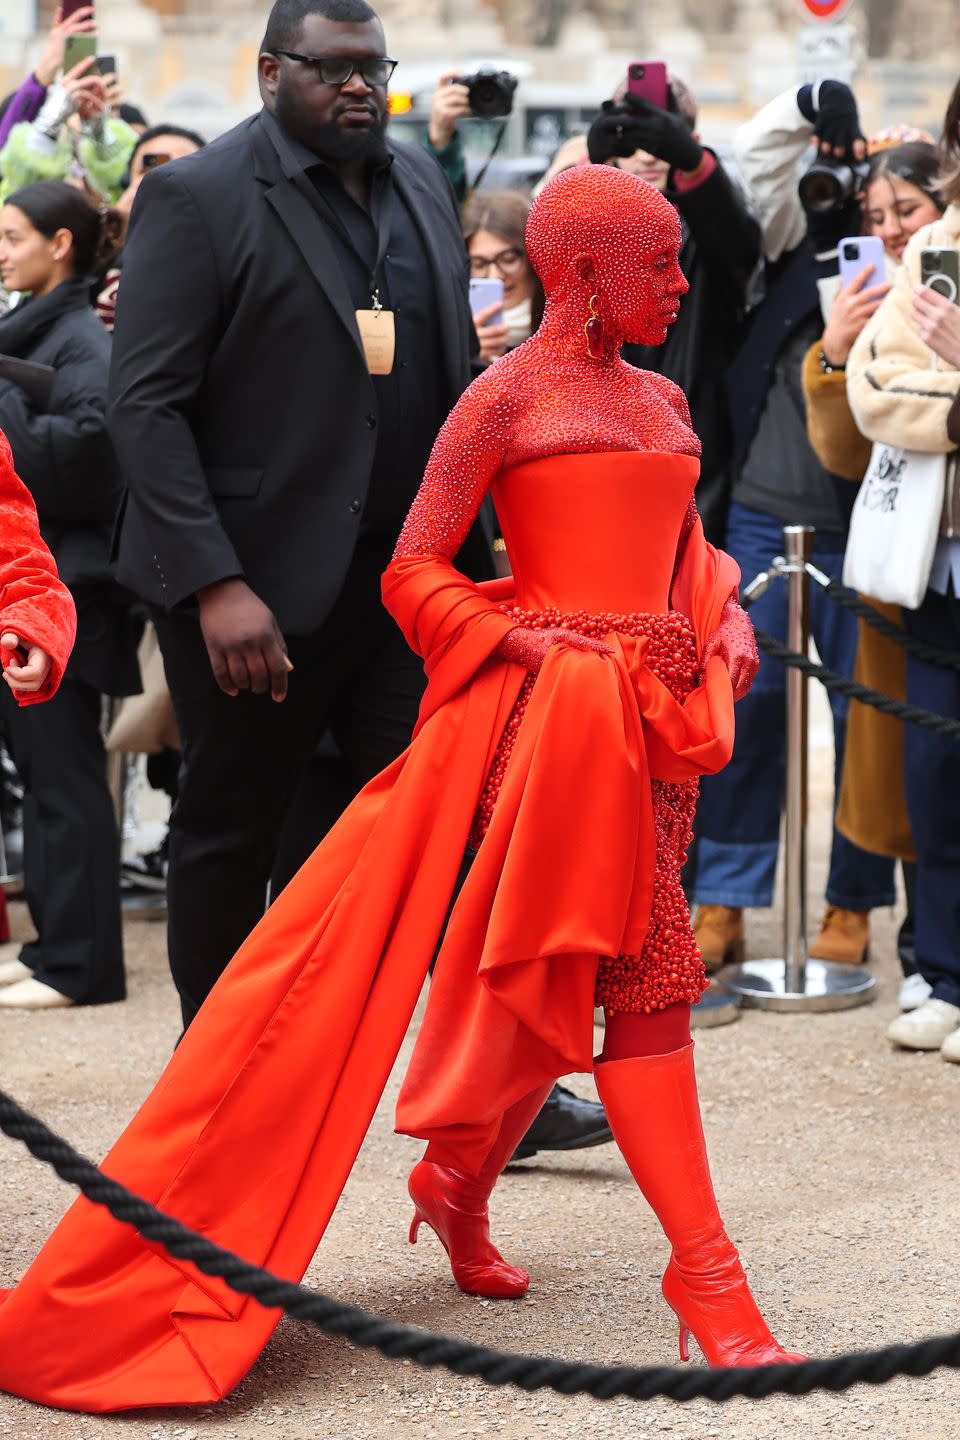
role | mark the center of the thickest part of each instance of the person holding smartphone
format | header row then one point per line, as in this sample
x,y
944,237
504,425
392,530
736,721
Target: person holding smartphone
x,y
25,103
900,194
494,222
903,383
47,142
778,480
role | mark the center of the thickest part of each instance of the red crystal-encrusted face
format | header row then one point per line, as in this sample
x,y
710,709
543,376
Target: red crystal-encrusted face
x,y
597,226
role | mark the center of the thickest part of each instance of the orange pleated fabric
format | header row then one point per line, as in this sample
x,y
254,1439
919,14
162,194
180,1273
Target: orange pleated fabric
x,y
253,1127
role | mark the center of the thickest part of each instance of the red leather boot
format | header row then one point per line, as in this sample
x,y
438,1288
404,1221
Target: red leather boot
x,y
454,1204
651,1103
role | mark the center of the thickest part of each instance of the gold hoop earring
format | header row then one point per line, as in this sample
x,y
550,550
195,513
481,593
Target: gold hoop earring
x,y
593,329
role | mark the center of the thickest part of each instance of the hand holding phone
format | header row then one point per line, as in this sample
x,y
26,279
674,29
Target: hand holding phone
x,y
486,306
647,80
857,251
936,305
862,291
487,295
76,49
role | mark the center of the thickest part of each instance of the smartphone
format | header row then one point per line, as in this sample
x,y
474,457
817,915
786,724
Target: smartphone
x,y
70,7
940,270
107,64
647,79
858,251
77,48
483,294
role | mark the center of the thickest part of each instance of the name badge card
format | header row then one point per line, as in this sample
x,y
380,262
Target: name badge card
x,y
379,338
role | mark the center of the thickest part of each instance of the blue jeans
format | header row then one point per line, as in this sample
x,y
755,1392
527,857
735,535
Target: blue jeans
x,y
739,812
932,780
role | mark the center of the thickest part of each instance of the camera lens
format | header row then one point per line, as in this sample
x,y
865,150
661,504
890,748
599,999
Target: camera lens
x,y
820,190
851,251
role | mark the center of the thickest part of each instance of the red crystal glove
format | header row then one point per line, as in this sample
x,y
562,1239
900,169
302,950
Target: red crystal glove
x,y
735,643
528,647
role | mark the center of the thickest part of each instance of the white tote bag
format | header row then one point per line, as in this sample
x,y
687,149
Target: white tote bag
x,y
895,525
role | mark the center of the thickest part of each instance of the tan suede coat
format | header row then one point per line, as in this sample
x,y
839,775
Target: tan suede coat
x,y
872,808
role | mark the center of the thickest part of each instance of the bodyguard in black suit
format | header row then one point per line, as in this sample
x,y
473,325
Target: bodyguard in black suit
x,y
268,469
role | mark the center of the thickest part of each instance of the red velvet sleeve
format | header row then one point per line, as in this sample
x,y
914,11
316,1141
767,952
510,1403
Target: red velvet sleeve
x,y
34,604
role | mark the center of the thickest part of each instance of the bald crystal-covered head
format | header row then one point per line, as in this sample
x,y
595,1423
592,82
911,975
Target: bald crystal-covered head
x,y
599,229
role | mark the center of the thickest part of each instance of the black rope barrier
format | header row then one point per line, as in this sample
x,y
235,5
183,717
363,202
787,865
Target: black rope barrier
x,y
831,680
495,1367
850,600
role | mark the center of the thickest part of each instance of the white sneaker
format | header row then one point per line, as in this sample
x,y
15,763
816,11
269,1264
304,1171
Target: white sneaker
x,y
13,969
914,990
925,1028
34,995
950,1049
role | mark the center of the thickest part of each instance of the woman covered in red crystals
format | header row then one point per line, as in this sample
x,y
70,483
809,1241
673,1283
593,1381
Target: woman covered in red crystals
x,y
568,714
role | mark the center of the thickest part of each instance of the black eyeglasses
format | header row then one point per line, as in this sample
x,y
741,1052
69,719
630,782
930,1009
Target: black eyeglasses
x,y
338,69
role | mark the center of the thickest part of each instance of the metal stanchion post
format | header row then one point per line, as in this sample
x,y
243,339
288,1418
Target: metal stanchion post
x,y
792,981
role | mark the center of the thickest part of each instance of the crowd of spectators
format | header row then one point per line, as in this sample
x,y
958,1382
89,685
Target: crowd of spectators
x,y
790,375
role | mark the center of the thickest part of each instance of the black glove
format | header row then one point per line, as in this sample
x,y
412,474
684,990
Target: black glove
x,y
635,124
837,122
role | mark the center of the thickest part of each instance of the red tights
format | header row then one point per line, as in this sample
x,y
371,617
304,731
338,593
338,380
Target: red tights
x,y
659,1033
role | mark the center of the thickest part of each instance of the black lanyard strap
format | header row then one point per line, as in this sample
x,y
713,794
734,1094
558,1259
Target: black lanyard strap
x,y
322,207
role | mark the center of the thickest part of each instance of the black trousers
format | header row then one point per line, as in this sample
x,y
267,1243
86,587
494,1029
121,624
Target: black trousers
x,y
71,846
255,797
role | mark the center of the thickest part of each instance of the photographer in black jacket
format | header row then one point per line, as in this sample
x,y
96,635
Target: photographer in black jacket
x,y
721,249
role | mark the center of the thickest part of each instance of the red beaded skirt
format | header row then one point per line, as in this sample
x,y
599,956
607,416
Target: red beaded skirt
x,y
669,968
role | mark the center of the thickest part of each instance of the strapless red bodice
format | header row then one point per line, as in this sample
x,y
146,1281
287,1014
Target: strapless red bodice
x,y
595,532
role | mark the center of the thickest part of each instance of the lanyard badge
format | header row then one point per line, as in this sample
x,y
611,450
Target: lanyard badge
x,y
378,336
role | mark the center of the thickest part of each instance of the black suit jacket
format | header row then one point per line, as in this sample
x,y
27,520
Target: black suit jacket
x,y
241,408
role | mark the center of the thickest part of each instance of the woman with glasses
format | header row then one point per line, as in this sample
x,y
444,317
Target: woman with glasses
x,y
493,226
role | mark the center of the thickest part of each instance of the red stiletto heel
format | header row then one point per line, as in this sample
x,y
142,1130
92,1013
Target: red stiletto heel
x,y
455,1208
710,1297
651,1104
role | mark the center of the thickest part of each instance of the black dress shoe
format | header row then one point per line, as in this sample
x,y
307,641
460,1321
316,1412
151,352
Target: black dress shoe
x,y
565,1123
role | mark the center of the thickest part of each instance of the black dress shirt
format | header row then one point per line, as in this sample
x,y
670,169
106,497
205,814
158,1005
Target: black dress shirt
x,y
411,401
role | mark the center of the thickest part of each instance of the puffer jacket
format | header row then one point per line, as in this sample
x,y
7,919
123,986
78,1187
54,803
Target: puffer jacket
x,y
64,456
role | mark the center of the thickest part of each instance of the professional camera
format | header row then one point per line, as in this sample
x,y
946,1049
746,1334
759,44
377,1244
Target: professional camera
x,y
491,92
828,184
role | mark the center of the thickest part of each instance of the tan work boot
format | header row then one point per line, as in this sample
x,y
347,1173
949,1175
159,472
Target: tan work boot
x,y
844,937
718,930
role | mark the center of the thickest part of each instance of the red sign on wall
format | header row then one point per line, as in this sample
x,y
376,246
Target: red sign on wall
x,y
824,9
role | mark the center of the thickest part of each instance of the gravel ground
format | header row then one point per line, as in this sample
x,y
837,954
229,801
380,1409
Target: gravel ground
x,y
834,1172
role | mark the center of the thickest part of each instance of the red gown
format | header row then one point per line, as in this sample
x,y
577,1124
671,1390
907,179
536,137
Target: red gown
x,y
251,1131
34,604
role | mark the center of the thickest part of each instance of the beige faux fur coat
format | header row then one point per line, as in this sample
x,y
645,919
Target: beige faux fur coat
x,y
899,390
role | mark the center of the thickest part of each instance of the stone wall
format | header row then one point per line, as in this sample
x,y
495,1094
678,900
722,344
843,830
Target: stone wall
x,y
195,60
